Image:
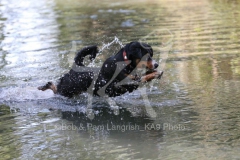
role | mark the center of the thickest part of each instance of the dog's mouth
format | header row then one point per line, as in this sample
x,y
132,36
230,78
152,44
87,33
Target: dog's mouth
x,y
152,64
149,65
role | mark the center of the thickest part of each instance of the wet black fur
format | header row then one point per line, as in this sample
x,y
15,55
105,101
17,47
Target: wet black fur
x,y
75,82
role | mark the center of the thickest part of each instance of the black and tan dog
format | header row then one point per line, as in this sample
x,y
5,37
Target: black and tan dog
x,y
117,75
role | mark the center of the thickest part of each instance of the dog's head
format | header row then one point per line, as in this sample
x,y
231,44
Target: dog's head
x,y
140,55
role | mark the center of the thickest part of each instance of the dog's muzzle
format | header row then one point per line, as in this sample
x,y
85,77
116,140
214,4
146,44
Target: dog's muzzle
x,y
154,64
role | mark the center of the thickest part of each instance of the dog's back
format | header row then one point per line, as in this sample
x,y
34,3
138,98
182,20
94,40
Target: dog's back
x,y
75,81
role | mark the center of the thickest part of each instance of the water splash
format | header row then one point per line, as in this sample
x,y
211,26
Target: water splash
x,y
104,46
116,40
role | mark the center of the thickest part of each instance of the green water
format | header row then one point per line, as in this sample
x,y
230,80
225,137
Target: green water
x,y
196,102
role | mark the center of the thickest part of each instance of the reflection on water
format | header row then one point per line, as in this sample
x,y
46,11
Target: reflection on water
x,y
28,28
196,102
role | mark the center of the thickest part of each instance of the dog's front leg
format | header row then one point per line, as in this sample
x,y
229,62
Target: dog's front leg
x,y
151,76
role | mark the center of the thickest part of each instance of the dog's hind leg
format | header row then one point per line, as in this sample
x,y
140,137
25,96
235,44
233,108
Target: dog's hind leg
x,y
49,85
90,50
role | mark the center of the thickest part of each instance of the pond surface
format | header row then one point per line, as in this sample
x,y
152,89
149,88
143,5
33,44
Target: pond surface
x,y
196,103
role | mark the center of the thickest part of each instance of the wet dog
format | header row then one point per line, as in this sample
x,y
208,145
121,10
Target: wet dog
x,y
118,74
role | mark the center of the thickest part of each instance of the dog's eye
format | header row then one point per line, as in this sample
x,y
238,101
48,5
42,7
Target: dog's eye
x,y
149,59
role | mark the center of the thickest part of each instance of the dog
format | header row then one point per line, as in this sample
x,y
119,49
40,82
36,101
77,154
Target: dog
x,y
118,74
122,67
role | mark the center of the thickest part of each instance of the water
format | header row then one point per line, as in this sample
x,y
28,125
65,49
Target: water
x,y
196,102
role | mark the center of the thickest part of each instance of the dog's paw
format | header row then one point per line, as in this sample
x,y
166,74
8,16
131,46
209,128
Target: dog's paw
x,y
45,87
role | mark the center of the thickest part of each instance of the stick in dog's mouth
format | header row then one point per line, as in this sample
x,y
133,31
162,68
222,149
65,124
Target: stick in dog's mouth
x,y
160,75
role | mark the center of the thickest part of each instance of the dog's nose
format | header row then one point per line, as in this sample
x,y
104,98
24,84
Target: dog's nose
x,y
155,65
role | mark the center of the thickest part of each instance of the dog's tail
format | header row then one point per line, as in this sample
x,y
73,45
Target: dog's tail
x,y
90,50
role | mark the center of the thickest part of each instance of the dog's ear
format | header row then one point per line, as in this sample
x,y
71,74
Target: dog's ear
x,y
137,50
146,49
